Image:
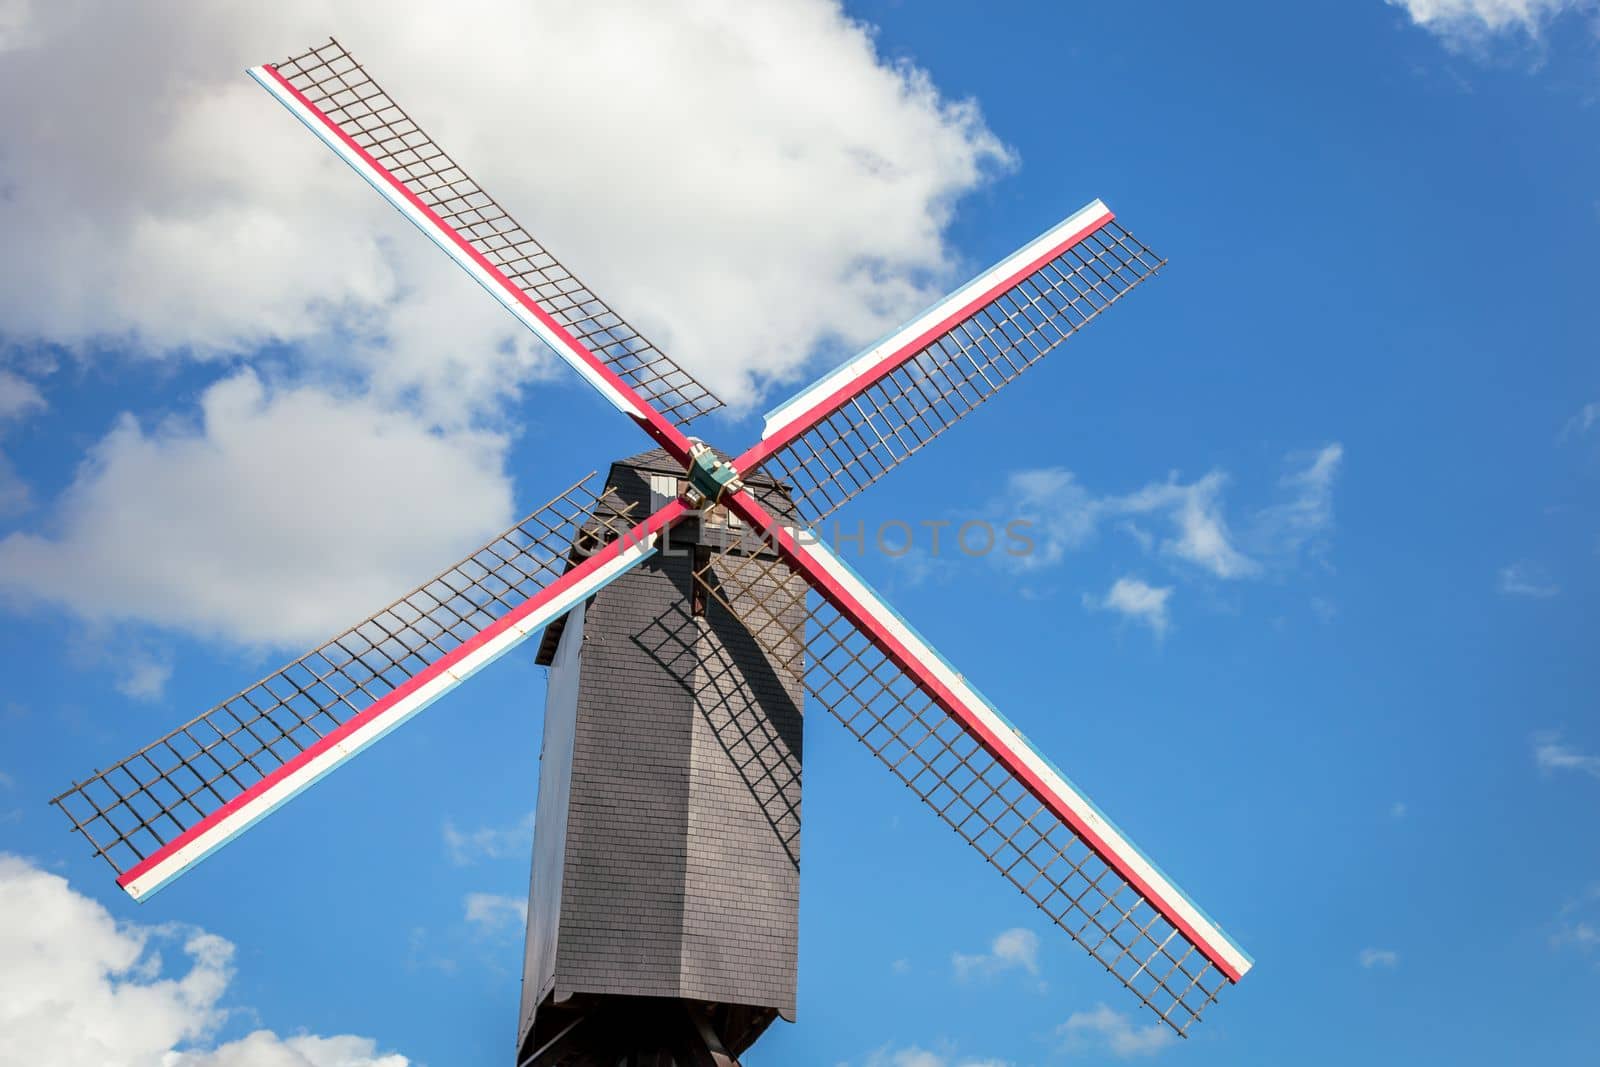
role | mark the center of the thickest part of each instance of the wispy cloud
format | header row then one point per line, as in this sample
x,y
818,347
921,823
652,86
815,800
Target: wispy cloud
x,y
1397,810
1578,926
1183,522
18,397
488,842
916,1056
1303,520
918,566
1201,534
1137,601
1067,517
1063,514
1386,958
1551,755
140,663
1584,421
419,955
495,913
1102,1027
1581,935
905,1057
1527,579
144,677
1014,949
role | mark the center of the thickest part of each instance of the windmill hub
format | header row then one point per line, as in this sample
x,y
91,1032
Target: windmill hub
x,y
709,478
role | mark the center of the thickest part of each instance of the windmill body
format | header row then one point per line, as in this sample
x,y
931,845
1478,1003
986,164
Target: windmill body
x,y
667,840
685,607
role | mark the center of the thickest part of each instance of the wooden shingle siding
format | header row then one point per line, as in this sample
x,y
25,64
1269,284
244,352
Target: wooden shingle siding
x,y
679,869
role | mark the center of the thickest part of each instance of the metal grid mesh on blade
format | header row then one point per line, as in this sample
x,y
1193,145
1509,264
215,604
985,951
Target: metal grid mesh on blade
x,y
131,810
970,789
338,86
881,427
742,574
994,812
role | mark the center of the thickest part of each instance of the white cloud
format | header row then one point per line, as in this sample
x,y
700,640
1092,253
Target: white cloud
x,y
495,913
1066,517
1203,537
1550,754
18,397
1302,521
1379,957
144,677
1581,935
6,781
1113,1031
79,988
140,667
916,1056
1014,949
420,956
736,181
272,521
916,565
1397,810
266,1049
1527,579
1463,21
1584,421
1576,927
906,1057
1136,600
488,842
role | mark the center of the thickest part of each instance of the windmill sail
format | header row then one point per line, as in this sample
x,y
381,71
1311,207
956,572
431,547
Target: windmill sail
x,y
956,752
339,101
834,439
170,804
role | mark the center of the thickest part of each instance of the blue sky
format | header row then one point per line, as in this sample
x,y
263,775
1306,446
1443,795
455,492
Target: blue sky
x,y
1340,458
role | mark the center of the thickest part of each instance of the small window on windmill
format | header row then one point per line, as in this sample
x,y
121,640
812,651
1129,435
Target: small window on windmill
x,y
663,490
717,515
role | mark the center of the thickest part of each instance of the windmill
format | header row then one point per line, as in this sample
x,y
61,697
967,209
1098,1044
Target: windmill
x,y
662,920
